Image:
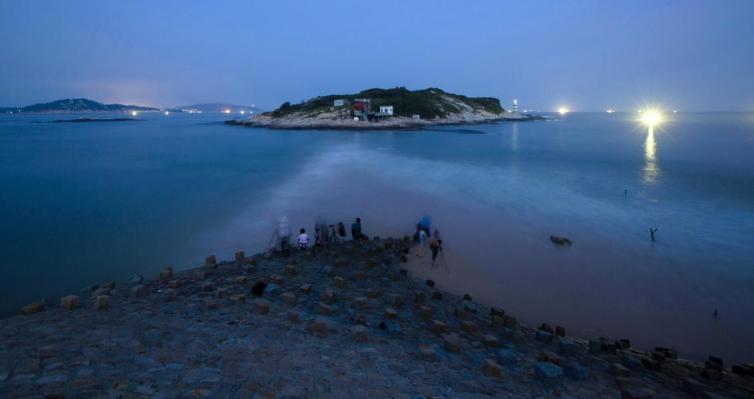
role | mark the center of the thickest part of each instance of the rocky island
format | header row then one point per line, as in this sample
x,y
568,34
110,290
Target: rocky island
x,y
350,321
76,105
376,109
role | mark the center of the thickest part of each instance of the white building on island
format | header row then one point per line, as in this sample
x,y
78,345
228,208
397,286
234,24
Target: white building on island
x,y
386,110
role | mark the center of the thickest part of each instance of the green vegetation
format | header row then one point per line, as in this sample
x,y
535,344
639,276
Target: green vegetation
x,y
428,103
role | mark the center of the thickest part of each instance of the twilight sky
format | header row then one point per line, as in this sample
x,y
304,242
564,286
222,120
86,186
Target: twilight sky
x,y
589,55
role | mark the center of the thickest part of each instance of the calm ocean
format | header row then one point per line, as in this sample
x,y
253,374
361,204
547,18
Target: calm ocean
x,y
82,203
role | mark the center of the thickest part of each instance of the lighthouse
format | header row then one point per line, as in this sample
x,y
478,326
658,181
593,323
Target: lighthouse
x,y
515,106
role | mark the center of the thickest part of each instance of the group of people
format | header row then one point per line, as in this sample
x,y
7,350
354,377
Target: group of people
x,y
323,234
422,237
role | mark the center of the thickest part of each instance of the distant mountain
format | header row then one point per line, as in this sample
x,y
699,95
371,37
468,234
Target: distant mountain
x,y
76,105
218,107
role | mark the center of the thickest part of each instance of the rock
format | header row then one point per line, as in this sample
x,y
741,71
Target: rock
x,y
560,331
490,368
743,369
427,353
567,346
437,295
290,270
694,387
562,241
419,296
469,327
166,274
174,284
288,298
628,382
490,341
666,352
510,322
359,333
34,307
651,364
327,295
239,299
110,285
276,279
52,379
425,312
241,280
619,370
361,276
209,304
222,292
136,279
324,309
138,291
208,287
70,302
637,393
543,336
339,282
321,326
507,356
361,302
373,293
546,327
328,270
210,261
200,275
438,326
390,313
258,288
712,374
261,306
169,295
305,288
452,342
240,256
714,363
294,317
630,361
576,371
396,300
550,357
623,344
430,283
102,302
547,372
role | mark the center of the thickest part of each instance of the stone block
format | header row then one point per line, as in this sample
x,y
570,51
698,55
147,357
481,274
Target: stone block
x,y
543,336
241,280
321,326
169,295
166,274
712,375
550,357
240,256
567,346
390,313
208,287
290,270
261,306
360,276
200,275
560,331
138,291
102,302
373,292
340,262
427,353
491,368
619,370
359,333
497,312
174,284
438,327
459,312
339,282
437,295
490,341
70,302
110,285
650,364
325,309
305,288
425,312
452,342
209,304
469,327
222,293
694,387
210,261
288,298
714,363
396,300
430,283
547,372
576,371
370,263
497,322
239,299
34,307
276,278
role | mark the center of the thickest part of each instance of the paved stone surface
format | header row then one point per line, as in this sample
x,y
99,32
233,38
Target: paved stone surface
x,y
208,340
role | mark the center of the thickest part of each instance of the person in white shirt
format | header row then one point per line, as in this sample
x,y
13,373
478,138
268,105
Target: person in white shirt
x,y
303,240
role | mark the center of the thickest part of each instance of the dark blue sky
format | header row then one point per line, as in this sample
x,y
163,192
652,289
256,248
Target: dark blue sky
x,y
589,55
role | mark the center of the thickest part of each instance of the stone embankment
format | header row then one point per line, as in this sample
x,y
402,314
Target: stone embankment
x,y
348,322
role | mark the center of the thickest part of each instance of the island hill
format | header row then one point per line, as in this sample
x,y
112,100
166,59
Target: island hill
x,y
397,108
76,105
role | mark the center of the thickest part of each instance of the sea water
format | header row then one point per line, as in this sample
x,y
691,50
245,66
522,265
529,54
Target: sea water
x,y
84,203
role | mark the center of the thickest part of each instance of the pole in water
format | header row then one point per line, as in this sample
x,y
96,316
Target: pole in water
x,y
652,232
715,312
625,192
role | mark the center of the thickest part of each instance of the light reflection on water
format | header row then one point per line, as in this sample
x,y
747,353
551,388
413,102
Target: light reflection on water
x,y
651,170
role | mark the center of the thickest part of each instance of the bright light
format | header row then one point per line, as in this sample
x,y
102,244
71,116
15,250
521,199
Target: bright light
x,y
243,112
610,111
563,110
134,113
651,117
226,111
167,112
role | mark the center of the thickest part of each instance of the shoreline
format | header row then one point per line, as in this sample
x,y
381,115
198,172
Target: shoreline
x,y
352,306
